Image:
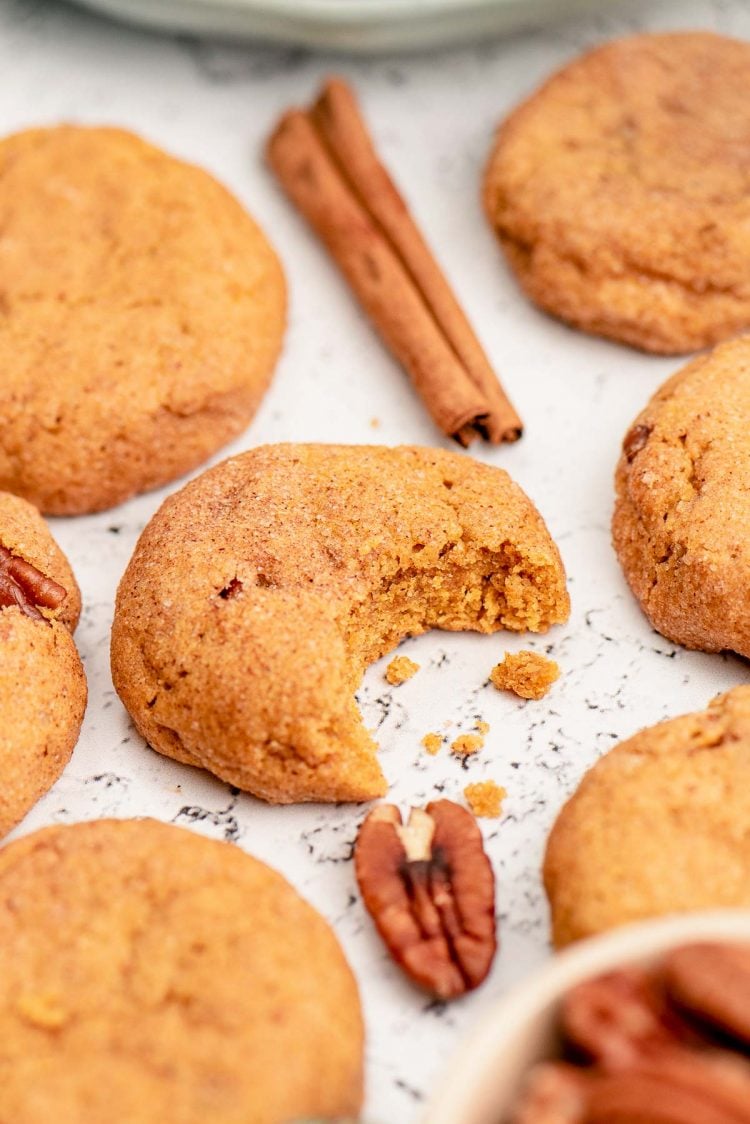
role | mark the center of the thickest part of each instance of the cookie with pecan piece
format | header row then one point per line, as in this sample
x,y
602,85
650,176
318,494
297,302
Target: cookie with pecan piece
x,y
152,975
681,524
258,594
141,313
42,684
659,825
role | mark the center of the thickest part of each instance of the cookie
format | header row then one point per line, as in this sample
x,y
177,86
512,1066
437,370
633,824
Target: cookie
x,y
259,593
681,524
141,314
618,191
42,683
659,825
153,975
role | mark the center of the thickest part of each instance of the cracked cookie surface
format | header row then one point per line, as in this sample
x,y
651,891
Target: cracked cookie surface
x,y
619,191
141,312
42,683
258,594
659,825
153,975
681,524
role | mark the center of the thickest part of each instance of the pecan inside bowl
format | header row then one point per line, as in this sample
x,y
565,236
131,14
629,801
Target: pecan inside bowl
x,y
663,1044
647,1024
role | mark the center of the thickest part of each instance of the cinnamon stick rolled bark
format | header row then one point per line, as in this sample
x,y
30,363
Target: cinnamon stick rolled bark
x,y
325,161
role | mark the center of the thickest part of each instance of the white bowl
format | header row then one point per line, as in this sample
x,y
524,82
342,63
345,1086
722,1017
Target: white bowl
x,y
354,26
482,1080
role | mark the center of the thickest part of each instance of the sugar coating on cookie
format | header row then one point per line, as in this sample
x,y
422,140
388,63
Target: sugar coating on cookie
x,y
681,524
150,974
400,669
618,191
657,826
42,683
527,674
258,594
149,293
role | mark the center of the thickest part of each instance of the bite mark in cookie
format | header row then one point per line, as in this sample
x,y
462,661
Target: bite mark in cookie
x,y
335,554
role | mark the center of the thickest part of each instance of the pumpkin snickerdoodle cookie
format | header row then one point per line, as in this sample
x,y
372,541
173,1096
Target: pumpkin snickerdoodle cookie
x,y
141,312
42,684
619,191
258,594
681,525
658,825
153,975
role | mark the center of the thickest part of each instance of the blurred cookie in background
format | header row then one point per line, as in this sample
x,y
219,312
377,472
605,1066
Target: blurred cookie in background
x,y
141,314
618,191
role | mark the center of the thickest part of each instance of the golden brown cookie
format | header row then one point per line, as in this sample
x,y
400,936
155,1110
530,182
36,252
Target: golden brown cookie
x,y
152,975
619,191
681,525
258,594
659,825
42,683
141,313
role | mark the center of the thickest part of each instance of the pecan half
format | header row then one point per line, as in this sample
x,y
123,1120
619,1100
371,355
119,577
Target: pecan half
x,y
554,1093
635,440
684,1088
622,1017
21,584
712,982
430,890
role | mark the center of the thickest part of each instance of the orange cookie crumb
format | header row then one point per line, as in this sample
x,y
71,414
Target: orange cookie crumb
x,y
527,674
400,669
485,798
466,744
432,743
482,726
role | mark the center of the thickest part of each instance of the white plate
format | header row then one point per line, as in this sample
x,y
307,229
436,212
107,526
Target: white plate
x,y
357,26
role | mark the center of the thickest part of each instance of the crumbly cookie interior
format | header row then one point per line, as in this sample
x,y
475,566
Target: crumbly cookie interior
x,y
258,596
470,588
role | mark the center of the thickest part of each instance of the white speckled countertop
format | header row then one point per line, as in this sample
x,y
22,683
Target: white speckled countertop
x,y
433,118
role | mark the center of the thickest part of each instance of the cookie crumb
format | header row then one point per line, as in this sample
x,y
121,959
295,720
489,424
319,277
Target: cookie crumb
x,y
374,423
432,743
485,798
400,669
527,674
466,744
482,727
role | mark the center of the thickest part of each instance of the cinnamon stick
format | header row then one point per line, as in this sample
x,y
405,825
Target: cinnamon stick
x,y
325,160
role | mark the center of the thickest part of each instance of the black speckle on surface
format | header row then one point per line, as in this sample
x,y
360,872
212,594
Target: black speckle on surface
x,y
412,1092
224,818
